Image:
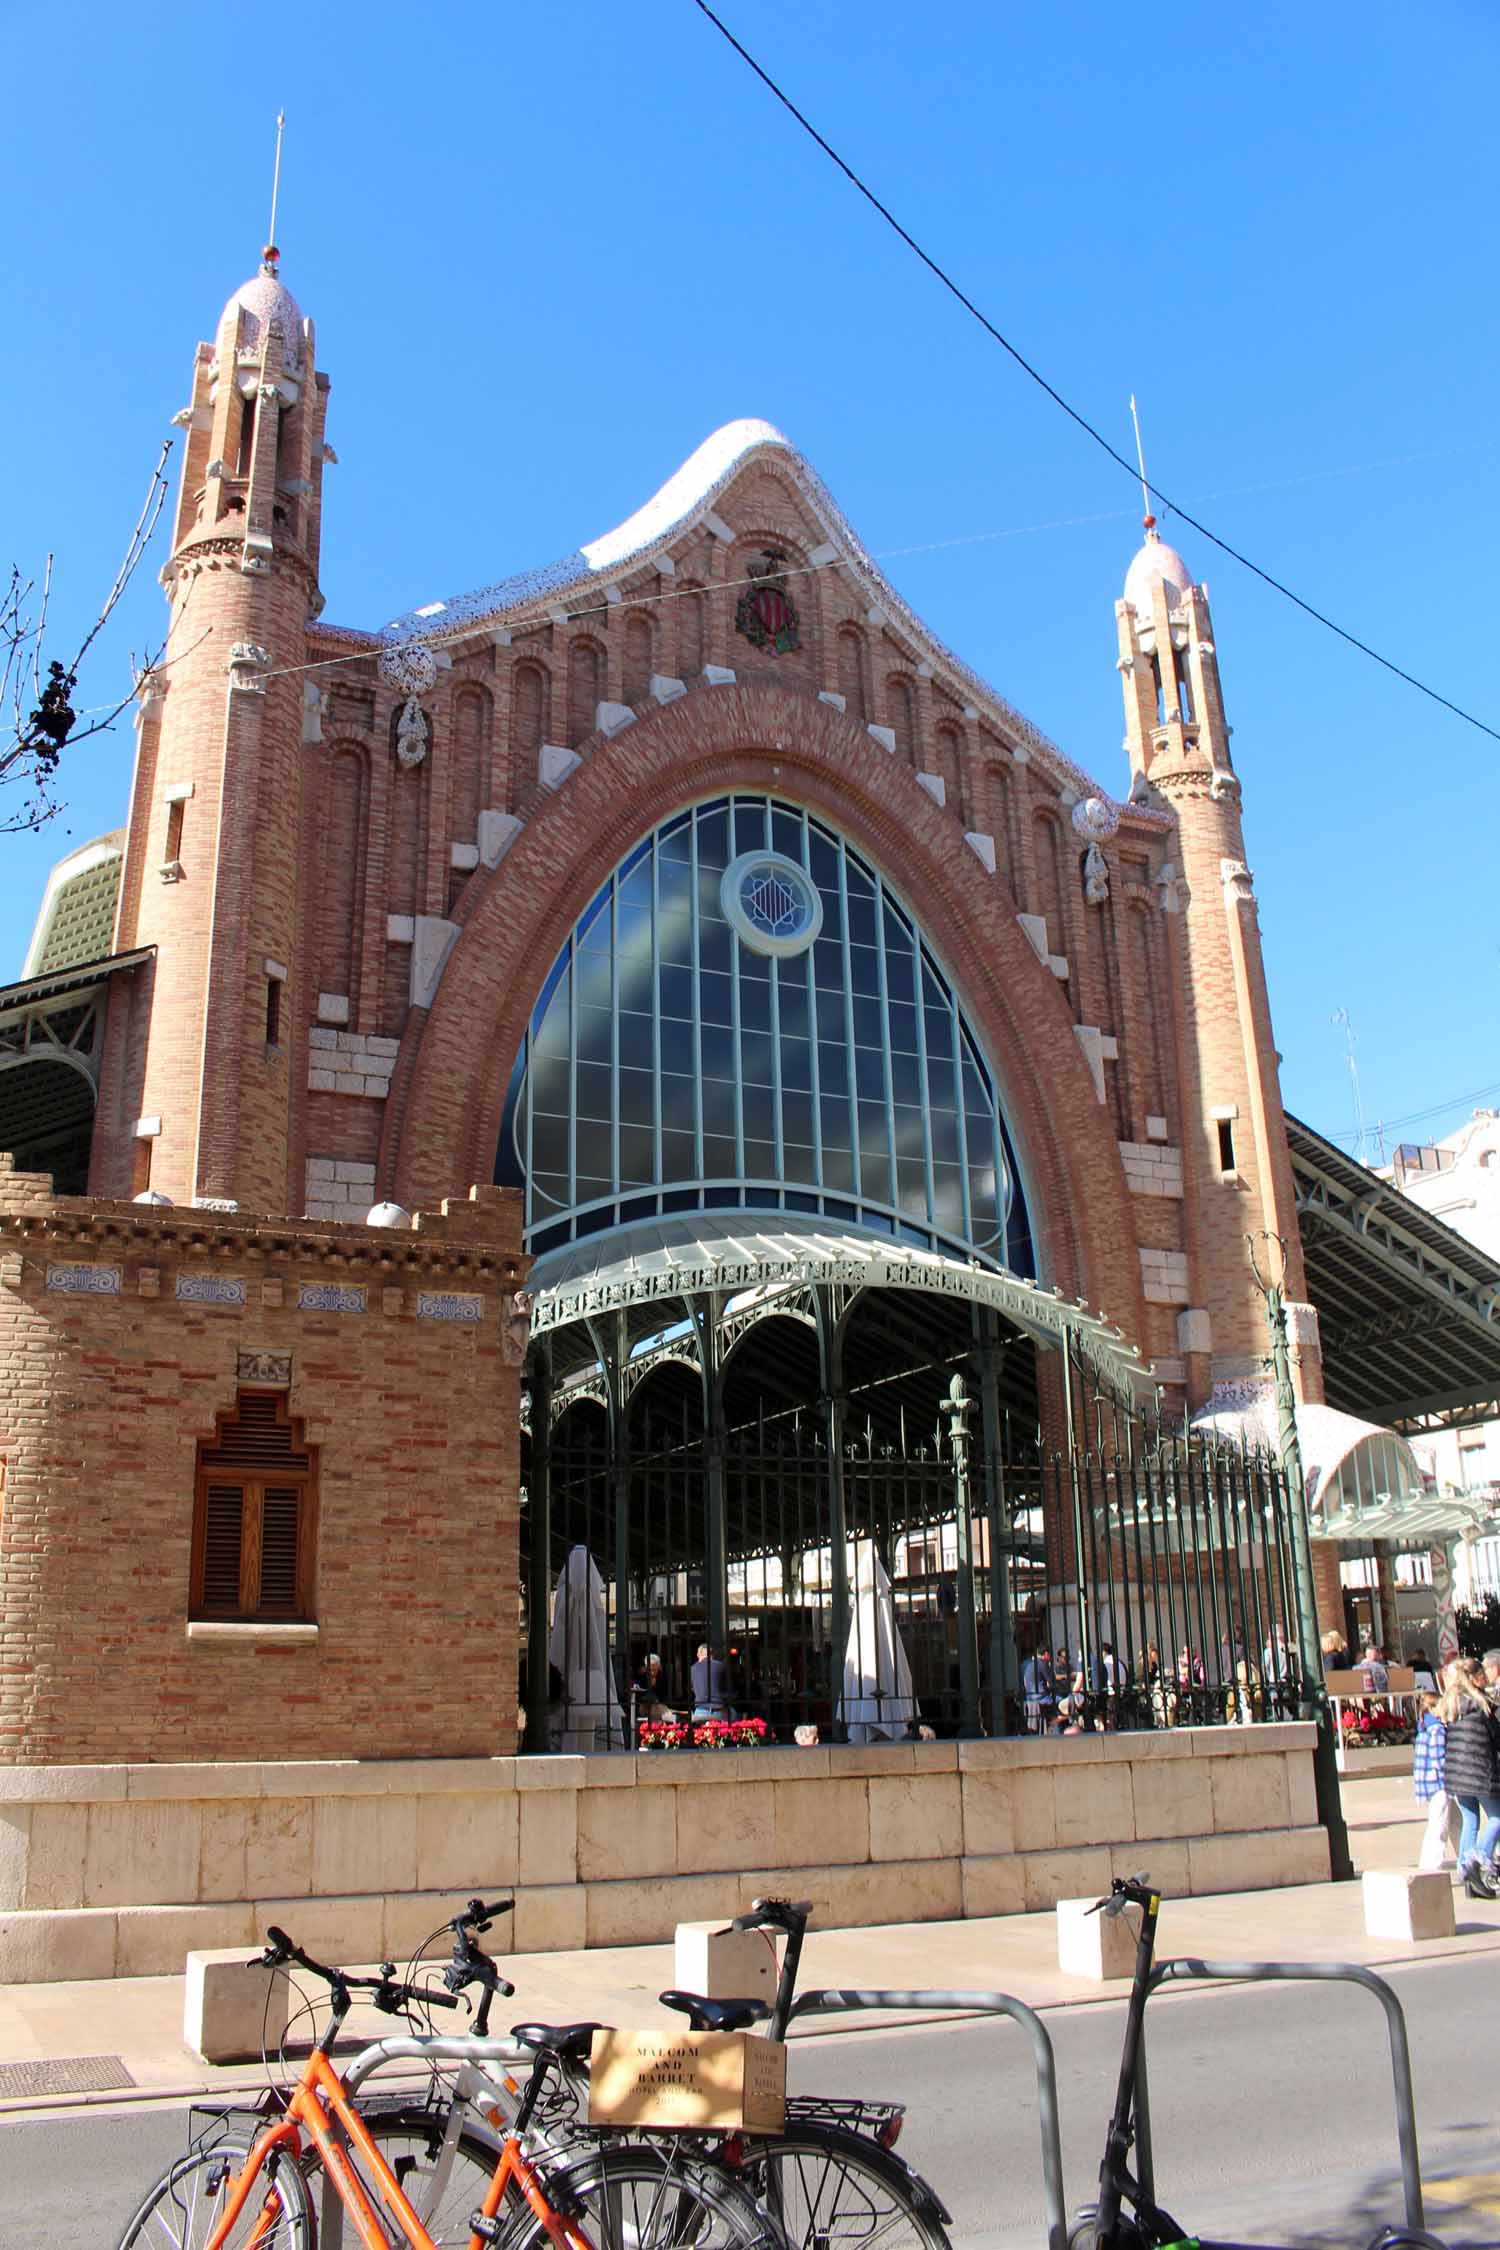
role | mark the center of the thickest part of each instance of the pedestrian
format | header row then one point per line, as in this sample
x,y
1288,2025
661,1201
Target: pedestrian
x,y
1423,1678
1430,1785
1472,1774
1335,1652
1491,1662
1375,1671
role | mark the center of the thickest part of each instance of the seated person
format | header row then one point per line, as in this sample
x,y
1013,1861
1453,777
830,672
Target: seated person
x,y
710,1677
647,1687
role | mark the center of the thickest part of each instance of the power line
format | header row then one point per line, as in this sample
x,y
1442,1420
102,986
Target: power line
x,y
1089,429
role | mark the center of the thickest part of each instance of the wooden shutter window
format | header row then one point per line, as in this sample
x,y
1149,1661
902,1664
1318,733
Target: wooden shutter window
x,y
255,1516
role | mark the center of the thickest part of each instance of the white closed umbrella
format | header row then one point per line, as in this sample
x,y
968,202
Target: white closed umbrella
x,y
877,1700
579,1649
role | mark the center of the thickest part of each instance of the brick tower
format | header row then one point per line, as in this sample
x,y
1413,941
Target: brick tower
x,y
205,1106
1237,1177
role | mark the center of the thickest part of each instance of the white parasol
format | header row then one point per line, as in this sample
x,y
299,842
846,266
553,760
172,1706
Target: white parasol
x,y
877,1703
579,1649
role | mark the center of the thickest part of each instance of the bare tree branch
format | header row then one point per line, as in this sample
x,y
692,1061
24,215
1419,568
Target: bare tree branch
x,y
33,740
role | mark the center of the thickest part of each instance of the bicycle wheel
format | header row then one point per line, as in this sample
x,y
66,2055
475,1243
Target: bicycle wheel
x,y
634,2197
189,2201
833,2190
444,2179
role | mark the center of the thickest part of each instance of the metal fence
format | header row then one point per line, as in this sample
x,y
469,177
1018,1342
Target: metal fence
x,y
808,1569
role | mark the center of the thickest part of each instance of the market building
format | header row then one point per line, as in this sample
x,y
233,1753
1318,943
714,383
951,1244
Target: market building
x,y
593,1065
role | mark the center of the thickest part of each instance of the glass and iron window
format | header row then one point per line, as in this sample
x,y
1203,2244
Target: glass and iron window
x,y
747,1017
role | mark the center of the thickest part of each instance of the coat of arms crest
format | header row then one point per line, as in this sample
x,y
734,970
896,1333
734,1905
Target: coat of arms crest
x,y
766,615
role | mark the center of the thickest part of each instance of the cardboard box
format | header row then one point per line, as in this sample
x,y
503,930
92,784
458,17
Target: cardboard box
x,y
714,2081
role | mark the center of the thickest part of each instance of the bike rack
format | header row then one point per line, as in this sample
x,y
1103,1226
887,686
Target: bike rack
x,y
1287,1972
846,2001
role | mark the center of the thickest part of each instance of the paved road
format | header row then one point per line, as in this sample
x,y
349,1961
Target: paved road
x,y
1272,2114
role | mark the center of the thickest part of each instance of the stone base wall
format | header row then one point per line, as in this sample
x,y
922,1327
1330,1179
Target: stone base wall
x,y
121,1870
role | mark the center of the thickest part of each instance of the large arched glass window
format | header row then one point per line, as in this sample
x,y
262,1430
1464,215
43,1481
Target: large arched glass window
x,y
746,1017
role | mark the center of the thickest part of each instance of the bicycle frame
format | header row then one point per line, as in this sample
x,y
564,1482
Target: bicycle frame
x,y
319,2100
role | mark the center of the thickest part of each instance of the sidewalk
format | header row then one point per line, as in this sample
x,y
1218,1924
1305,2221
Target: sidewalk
x,y
136,2023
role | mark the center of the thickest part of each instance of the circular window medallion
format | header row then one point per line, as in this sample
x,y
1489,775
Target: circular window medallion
x,y
772,904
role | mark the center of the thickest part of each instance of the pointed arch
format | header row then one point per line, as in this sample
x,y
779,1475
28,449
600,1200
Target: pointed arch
x,y
531,710
473,726
901,716
341,873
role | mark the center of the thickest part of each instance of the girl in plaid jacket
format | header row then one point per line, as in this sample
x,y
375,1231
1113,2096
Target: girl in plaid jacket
x,y
1429,1781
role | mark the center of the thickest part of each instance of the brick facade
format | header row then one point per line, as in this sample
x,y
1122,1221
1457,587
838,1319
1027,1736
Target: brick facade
x,y
124,1333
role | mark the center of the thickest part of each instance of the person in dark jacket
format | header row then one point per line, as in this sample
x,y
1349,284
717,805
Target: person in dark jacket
x,y
1472,1774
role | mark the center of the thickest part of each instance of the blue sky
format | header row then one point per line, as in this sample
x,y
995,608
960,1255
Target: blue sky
x,y
548,250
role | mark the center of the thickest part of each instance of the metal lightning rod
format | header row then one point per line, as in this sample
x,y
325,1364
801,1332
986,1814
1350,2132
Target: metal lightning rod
x,y
276,182
1141,464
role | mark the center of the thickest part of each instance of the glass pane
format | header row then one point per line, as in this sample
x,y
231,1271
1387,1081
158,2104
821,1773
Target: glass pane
x,y
799,1163
677,1159
864,970
677,1101
833,1067
718,1106
715,1003
796,1064
796,1117
595,1090
549,1088
719,1161
834,1113
595,1034
912,1185
760,1160
636,1035
838,1169
637,1156
677,993
636,1089
717,1050
594,1157
755,1003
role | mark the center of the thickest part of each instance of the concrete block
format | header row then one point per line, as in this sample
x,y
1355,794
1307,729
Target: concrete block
x,y
551,1918
1049,1876
1250,1791
364,1844
57,1948
548,1837
15,1838
989,1809
647,1912
725,1964
1094,1802
725,1830
225,2015
1173,1797
141,1854
993,1885
1165,1865
915,1816
468,1843
1401,1902
1090,1944
1034,1809
823,1823
627,1832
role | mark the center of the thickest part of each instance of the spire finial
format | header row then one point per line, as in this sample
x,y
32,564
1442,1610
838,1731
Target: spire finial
x,y
1149,519
270,255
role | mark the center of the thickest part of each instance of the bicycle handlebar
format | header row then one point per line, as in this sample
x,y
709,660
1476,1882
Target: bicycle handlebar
x,y
791,1915
390,1995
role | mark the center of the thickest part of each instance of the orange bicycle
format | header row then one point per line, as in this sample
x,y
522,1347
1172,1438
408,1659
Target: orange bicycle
x,y
622,2196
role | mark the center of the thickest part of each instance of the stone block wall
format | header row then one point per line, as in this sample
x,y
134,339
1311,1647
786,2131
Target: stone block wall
x,y
121,1870
124,1332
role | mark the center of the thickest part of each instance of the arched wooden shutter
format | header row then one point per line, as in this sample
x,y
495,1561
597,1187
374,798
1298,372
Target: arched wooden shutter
x,y
254,1521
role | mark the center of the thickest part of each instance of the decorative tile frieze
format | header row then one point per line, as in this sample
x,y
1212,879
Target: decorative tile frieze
x,y
271,1371
440,1304
330,1296
210,1289
83,1281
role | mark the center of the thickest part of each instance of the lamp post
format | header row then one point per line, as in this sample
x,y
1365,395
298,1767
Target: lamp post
x,y
1313,1697
957,1409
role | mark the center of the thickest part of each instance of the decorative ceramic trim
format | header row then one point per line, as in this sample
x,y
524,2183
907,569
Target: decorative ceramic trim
x,y
83,1281
330,1296
210,1289
439,1304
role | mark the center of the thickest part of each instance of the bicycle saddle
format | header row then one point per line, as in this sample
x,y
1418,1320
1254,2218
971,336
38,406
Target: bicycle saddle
x,y
715,2015
570,2040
